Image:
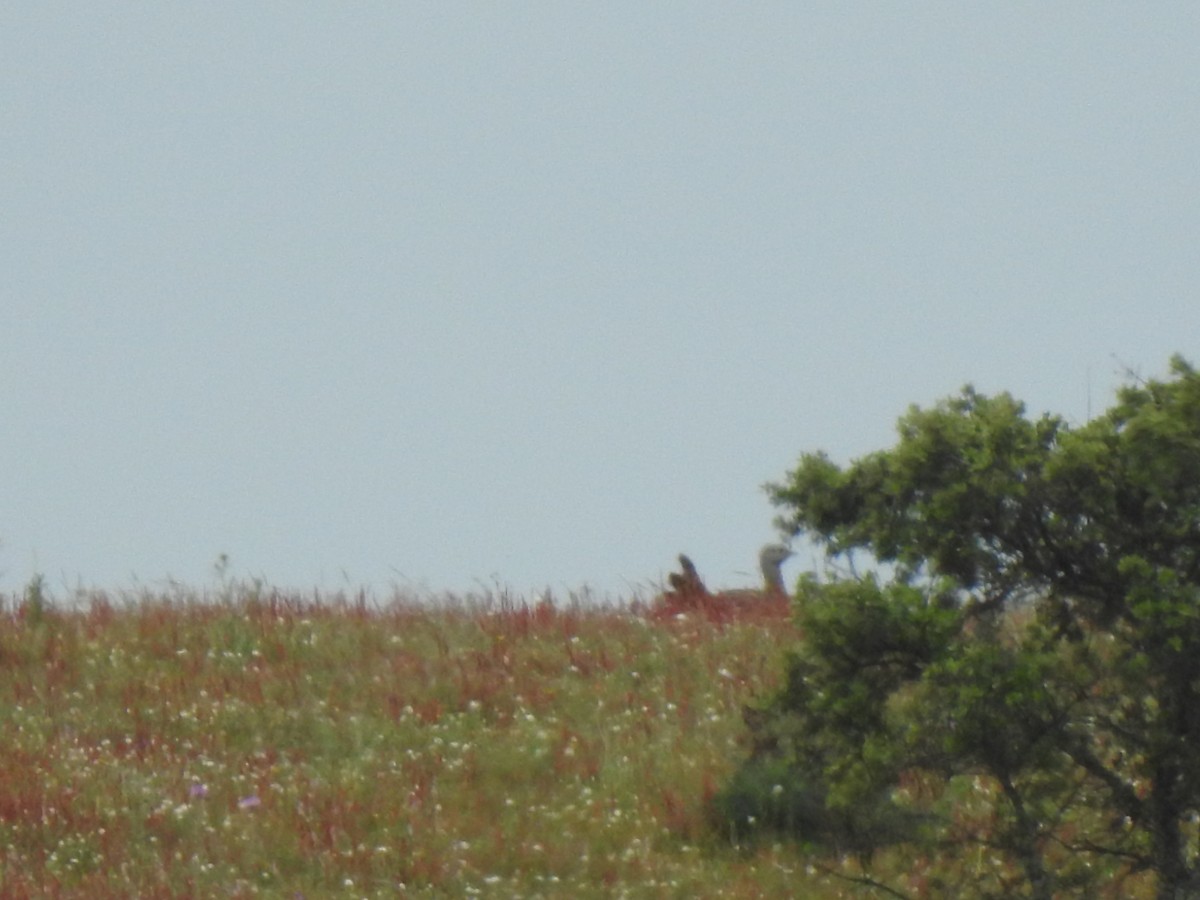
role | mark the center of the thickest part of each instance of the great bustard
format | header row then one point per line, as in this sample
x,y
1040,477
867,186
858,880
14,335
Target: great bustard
x,y
689,592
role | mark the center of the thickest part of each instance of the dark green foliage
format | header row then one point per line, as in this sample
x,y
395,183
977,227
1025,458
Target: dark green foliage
x,y
36,602
1039,635
768,797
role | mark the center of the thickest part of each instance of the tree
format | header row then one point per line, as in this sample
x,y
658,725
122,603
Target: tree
x,y
1027,652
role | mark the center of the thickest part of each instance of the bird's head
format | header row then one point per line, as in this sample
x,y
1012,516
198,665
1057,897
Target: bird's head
x,y
774,554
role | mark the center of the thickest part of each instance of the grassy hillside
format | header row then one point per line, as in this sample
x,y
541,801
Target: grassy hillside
x,y
267,745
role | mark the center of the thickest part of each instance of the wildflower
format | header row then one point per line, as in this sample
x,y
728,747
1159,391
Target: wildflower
x,y
249,802
198,790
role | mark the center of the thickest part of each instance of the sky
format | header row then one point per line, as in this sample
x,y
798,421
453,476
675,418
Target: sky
x,y
430,297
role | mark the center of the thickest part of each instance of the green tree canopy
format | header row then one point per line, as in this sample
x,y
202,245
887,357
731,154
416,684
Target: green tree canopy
x,y
1033,653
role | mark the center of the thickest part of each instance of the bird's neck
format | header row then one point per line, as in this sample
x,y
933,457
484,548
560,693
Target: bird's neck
x,y
773,577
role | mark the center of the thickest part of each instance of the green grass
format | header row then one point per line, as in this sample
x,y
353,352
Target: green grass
x,y
267,745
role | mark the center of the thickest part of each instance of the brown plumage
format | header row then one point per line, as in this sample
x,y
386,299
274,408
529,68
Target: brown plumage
x,y
688,592
686,582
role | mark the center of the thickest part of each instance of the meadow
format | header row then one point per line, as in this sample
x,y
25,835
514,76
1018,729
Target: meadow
x,y
262,744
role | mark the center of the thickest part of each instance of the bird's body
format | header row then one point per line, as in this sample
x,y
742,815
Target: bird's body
x,y
688,591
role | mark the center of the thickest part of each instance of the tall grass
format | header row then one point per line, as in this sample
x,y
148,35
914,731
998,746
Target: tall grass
x,y
272,745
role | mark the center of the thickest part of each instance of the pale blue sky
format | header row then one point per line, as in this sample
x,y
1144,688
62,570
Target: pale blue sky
x,y
443,294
